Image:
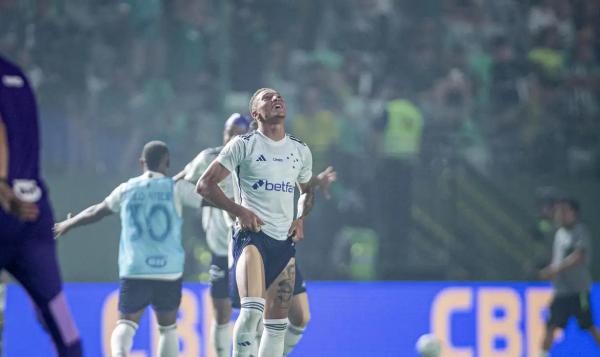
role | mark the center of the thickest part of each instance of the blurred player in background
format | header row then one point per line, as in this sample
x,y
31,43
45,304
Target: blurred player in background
x,y
267,164
218,233
27,248
570,275
151,255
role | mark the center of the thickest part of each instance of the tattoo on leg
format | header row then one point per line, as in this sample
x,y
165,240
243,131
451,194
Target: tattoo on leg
x,y
285,287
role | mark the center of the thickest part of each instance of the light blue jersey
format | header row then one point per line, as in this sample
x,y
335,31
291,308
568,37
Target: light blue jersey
x,y
150,243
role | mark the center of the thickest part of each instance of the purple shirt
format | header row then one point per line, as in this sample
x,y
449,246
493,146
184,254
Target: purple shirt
x,y
19,114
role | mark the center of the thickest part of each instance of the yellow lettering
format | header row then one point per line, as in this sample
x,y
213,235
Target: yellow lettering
x,y
538,300
446,303
491,327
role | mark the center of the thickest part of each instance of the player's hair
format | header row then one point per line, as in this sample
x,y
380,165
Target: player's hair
x,y
572,203
153,153
252,103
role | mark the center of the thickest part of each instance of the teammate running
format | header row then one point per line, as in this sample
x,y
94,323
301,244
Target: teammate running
x,y
151,256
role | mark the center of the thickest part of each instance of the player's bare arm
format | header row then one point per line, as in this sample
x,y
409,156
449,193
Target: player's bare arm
x,y
569,262
26,211
87,216
208,187
305,205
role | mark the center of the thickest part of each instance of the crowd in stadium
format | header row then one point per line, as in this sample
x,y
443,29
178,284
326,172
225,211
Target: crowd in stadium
x,y
516,81
500,86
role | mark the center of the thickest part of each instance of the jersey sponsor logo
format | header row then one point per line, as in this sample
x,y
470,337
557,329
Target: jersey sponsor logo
x,y
261,158
156,261
12,81
277,159
27,190
271,186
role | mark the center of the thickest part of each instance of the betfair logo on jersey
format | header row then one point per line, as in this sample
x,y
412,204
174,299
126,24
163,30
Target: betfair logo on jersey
x,y
277,187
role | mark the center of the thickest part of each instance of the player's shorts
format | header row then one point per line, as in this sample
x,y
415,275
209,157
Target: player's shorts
x,y
275,254
564,307
137,294
219,277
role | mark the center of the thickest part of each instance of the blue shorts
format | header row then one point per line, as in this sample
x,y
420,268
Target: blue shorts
x,y
275,254
137,294
219,277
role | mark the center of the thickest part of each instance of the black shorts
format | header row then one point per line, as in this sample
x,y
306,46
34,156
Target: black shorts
x,y
564,307
137,294
219,277
275,254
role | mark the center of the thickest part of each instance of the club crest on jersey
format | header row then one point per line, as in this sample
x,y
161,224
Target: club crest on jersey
x,y
261,157
277,187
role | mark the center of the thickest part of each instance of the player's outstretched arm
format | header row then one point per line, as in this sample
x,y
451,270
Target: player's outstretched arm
x,y
208,187
87,216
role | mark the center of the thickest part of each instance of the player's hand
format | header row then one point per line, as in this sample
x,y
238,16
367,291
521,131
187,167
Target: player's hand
x,y
61,228
249,221
296,231
325,179
548,273
25,211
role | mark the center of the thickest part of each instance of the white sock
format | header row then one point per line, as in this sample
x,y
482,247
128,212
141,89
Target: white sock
x,y
293,334
271,344
543,354
244,330
259,331
121,339
221,338
168,342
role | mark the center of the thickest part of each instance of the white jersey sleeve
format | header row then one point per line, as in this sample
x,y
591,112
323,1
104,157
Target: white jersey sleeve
x,y
186,195
113,201
306,169
201,162
232,154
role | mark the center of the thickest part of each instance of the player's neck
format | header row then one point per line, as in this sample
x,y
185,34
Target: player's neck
x,y
274,132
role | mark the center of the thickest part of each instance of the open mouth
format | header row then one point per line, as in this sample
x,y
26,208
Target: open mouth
x,y
278,106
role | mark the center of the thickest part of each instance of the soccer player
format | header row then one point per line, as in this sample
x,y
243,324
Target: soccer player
x,y
267,164
27,248
218,233
570,274
151,255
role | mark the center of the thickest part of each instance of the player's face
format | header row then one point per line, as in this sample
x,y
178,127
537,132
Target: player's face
x,y
567,215
270,107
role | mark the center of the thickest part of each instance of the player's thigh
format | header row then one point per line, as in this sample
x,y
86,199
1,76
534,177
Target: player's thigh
x,y
280,292
250,273
299,313
135,316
